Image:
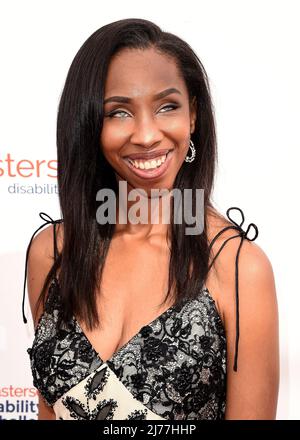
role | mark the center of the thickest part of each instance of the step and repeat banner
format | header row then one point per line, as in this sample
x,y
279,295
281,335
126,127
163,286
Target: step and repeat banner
x,y
28,186
249,52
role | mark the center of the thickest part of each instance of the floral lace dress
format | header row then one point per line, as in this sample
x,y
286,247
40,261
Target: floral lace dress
x,y
174,368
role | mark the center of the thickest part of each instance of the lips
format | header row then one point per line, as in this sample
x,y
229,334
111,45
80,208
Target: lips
x,y
147,156
151,173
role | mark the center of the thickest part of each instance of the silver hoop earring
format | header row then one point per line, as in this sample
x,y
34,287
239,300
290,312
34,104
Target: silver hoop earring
x,y
193,149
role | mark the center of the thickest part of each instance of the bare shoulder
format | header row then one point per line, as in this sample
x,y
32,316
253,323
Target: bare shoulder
x,y
40,261
251,391
255,271
42,244
41,252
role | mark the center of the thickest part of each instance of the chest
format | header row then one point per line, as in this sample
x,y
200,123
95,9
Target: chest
x,y
134,284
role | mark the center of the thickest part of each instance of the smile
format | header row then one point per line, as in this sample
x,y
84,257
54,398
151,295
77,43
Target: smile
x,y
149,169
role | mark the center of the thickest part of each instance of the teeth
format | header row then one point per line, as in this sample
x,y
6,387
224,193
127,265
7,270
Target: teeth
x,y
148,164
136,164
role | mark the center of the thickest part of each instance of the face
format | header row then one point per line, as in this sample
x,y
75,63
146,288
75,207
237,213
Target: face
x,y
148,119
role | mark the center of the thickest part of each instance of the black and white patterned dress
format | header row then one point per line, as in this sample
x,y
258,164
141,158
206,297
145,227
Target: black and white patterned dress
x,y
174,368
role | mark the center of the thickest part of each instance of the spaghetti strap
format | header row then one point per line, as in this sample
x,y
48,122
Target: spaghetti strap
x,y
48,220
243,234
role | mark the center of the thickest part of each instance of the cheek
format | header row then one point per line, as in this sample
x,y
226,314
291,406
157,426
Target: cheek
x,y
111,139
178,126
179,131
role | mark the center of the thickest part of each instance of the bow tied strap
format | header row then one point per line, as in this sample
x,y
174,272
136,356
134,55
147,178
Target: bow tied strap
x,y
244,235
47,220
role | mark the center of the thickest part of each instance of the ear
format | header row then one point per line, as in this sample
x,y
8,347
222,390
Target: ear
x,y
193,113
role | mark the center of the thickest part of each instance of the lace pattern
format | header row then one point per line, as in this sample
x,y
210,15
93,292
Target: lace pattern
x,y
59,358
175,366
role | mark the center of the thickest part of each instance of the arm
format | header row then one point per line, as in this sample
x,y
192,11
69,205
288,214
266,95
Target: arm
x,y
252,391
40,260
45,411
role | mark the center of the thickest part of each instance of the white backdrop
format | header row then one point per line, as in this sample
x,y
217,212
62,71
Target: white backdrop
x,y
250,50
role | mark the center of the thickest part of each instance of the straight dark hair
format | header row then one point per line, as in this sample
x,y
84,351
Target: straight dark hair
x,y
83,169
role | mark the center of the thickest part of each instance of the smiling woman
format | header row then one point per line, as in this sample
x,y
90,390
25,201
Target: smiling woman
x,y
142,320
161,123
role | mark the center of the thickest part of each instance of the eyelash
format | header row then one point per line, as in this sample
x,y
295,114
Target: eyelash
x,y
110,115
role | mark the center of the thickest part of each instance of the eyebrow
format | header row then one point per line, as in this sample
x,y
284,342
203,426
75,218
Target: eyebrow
x,y
126,100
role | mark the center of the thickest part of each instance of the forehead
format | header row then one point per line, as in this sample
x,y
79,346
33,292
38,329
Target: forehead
x,y
136,73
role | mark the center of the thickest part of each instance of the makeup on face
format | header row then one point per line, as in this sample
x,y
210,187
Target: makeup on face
x,y
146,125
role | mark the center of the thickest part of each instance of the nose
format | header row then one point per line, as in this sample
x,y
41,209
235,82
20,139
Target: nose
x,y
146,132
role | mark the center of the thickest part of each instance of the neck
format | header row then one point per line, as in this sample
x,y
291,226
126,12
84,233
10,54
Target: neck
x,y
140,215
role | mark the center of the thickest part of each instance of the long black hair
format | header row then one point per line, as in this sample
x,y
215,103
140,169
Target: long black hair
x,y
83,169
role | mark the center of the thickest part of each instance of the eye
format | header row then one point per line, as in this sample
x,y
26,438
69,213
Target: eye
x,y
117,112
112,114
172,106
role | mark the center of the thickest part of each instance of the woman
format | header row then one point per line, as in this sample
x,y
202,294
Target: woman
x,y
109,343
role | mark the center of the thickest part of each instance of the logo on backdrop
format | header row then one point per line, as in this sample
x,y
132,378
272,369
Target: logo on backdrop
x,y
18,403
20,171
